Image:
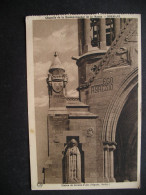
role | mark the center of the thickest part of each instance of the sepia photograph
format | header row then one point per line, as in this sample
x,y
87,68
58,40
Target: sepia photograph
x,y
84,101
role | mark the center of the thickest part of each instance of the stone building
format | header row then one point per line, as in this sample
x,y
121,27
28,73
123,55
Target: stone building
x,y
93,138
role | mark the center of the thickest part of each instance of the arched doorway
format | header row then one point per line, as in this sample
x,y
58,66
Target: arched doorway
x,y
125,155
122,102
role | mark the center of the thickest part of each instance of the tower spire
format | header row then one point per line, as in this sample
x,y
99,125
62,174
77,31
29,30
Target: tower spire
x,y
56,64
57,80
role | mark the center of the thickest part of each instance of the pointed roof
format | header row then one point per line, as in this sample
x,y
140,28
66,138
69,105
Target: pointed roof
x,y
56,64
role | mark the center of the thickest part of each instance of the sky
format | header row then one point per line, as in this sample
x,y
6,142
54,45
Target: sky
x,y
50,36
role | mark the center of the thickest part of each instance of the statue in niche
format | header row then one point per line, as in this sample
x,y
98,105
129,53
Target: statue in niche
x,y
72,162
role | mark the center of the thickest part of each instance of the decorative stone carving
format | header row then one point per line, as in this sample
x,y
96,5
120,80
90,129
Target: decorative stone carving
x,y
121,57
94,68
57,86
110,59
57,80
72,98
90,132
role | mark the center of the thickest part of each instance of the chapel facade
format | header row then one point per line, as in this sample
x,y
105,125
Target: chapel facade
x,y
93,138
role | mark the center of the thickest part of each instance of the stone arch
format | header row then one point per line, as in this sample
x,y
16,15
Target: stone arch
x,y
125,155
116,106
111,120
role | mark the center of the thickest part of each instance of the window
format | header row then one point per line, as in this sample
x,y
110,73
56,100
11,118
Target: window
x,y
109,31
95,41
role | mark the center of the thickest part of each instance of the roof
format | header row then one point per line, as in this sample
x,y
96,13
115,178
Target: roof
x,y
56,64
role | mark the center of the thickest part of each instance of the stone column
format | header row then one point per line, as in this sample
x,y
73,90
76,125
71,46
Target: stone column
x,y
109,148
106,170
117,26
80,35
111,159
87,35
102,34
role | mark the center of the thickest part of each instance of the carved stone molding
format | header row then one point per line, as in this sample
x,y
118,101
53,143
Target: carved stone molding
x,y
116,105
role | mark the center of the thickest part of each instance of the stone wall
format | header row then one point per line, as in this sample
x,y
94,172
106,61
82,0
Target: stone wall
x,y
105,82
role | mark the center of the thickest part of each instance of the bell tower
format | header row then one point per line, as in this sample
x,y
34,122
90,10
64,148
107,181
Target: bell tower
x,y
57,80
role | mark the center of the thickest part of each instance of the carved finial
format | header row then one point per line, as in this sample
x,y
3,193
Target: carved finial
x,y
55,55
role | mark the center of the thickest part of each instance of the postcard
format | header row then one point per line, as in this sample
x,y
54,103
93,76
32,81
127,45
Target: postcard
x,y
84,101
